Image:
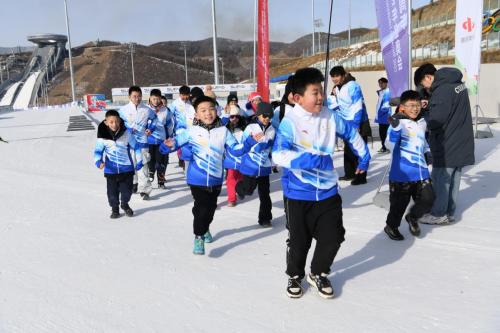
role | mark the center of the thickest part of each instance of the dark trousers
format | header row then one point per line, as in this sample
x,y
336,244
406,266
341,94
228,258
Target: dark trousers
x,y
119,185
382,131
351,160
205,204
321,220
247,187
399,197
158,163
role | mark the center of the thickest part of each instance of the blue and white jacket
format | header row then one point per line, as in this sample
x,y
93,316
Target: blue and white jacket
x,y
163,126
136,120
276,115
383,110
183,113
231,161
257,162
114,150
408,145
305,143
207,147
351,103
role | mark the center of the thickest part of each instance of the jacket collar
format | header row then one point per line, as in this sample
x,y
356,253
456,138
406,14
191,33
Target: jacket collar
x,y
104,132
217,123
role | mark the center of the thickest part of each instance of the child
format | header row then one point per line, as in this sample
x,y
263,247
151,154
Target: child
x,y
163,129
253,100
115,143
231,100
351,107
409,176
256,165
236,125
183,114
304,145
207,140
136,116
383,111
285,105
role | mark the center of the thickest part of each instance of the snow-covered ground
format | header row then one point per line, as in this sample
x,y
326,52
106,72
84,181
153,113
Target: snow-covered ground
x,y
66,267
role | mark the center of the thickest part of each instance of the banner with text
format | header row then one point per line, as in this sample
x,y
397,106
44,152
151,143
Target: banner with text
x,y
392,20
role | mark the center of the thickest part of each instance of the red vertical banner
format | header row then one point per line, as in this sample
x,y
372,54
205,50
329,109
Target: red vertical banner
x,y
263,50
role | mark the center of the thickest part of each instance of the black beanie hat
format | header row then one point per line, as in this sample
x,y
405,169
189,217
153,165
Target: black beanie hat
x,y
264,109
232,97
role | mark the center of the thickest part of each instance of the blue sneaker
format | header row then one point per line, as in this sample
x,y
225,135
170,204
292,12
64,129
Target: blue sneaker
x,y
199,245
208,237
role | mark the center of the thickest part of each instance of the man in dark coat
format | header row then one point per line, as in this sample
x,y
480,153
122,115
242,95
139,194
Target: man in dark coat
x,y
451,137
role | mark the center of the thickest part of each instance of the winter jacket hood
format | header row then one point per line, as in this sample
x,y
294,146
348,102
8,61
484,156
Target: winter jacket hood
x,y
446,75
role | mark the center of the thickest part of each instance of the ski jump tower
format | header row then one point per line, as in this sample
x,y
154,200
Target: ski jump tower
x,y
31,87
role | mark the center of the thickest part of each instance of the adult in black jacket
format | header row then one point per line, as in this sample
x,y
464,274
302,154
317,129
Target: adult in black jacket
x,y
451,137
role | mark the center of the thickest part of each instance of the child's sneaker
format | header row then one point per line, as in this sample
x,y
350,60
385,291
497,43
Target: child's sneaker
x,y
393,233
294,288
413,223
144,196
265,223
128,211
231,204
115,213
162,186
199,245
208,237
321,284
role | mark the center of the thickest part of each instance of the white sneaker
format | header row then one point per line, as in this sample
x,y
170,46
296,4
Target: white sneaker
x,y
451,218
431,219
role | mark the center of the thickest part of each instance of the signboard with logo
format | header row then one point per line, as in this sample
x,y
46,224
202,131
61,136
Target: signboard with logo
x,y
95,102
468,30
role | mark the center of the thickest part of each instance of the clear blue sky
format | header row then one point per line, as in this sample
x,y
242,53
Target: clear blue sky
x,y
151,21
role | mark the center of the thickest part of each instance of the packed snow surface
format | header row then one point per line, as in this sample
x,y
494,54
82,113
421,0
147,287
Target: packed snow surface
x,y
66,267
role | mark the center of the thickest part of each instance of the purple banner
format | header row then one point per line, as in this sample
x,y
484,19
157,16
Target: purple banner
x,y
392,18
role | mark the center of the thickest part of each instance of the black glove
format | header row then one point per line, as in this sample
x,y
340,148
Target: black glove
x,y
428,157
394,119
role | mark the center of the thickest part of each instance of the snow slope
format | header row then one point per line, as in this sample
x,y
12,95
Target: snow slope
x,y
66,267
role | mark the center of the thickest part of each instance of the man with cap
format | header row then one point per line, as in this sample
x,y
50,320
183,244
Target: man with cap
x,y
256,164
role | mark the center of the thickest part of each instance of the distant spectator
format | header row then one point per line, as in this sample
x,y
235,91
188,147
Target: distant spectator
x,y
383,111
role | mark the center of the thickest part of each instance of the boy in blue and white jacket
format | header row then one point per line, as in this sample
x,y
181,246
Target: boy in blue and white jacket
x,y
409,176
304,145
163,125
207,141
136,116
113,153
383,111
256,164
349,101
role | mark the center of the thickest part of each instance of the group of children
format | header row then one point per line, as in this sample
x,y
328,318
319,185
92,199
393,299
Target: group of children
x,y
299,136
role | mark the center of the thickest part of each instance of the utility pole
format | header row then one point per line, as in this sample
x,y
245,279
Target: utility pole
x,y
313,31
222,67
214,29
349,29
254,39
132,50
69,53
185,63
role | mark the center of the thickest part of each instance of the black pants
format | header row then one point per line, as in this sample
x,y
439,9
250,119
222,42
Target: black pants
x,y
119,185
205,204
399,197
382,131
351,160
321,220
158,163
247,187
